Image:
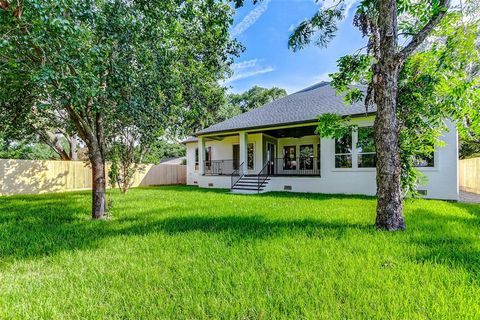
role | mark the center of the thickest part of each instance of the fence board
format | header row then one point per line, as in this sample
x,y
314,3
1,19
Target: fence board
x,y
38,176
469,175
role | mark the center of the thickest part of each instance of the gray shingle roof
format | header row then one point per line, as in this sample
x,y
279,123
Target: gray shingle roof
x,y
303,106
189,139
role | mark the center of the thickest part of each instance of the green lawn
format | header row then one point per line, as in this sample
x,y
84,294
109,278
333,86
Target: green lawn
x,y
182,252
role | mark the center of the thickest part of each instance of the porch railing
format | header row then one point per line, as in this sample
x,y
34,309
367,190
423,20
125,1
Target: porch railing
x,y
220,167
236,175
262,175
301,166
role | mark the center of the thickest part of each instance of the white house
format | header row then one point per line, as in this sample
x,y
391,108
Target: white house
x,y
275,148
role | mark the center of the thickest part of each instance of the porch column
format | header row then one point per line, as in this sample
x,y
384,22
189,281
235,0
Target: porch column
x,y
201,155
243,150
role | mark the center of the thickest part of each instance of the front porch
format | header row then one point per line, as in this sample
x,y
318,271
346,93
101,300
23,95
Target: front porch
x,y
288,151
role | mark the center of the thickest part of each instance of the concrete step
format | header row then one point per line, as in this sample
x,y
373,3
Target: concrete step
x,y
253,179
245,191
242,184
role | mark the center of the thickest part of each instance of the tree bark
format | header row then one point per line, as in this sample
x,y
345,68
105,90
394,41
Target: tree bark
x,y
72,141
91,132
53,142
389,191
99,185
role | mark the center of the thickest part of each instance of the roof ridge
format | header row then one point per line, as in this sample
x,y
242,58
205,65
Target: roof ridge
x,y
314,86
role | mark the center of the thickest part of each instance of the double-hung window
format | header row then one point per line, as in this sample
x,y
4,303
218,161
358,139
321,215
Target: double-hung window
x,y
426,159
250,156
196,159
343,151
356,149
366,154
306,157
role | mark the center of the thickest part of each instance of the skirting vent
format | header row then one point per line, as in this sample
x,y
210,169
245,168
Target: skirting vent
x,y
287,188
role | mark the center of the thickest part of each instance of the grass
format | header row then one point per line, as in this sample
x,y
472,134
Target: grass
x,y
182,252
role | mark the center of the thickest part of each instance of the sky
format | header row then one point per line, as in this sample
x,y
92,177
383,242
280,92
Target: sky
x,y
264,30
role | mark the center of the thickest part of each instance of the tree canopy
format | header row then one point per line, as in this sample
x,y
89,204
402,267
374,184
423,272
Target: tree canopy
x,y
113,70
236,103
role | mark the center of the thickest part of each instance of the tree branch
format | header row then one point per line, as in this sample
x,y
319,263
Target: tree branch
x,y
426,30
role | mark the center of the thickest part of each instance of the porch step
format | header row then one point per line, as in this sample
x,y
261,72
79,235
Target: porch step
x,y
249,184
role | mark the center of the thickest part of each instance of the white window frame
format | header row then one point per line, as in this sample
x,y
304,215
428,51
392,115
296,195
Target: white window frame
x,y
335,154
355,149
354,153
254,152
253,155
196,159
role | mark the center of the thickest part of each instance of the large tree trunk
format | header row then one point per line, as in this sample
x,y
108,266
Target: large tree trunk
x,y
389,192
99,184
92,134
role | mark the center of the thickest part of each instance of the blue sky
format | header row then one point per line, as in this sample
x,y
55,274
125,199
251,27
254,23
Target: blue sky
x,y
264,30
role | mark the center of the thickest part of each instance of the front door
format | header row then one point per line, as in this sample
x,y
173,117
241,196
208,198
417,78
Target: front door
x,y
236,156
290,158
270,158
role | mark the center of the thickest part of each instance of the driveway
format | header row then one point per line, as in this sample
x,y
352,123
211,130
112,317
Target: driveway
x,y
469,197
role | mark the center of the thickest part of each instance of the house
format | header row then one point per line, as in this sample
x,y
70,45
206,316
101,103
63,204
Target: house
x,y
275,148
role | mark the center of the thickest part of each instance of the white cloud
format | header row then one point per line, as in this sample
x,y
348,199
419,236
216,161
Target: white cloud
x,y
250,18
247,69
329,3
244,64
249,74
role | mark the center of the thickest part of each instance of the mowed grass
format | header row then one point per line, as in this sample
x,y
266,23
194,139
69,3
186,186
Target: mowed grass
x,y
183,252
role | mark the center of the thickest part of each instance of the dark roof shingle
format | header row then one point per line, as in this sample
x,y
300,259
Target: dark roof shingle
x,y
302,106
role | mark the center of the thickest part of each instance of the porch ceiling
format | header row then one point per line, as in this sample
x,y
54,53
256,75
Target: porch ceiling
x,y
297,132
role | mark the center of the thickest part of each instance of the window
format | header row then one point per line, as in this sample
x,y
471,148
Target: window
x,y
424,161
196,158
289,158
426,156
343,151
250,156
236,156
208,157
367,157
318,156
306,157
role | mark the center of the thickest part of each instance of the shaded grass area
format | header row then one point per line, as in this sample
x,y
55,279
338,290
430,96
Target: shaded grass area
x,y
183,252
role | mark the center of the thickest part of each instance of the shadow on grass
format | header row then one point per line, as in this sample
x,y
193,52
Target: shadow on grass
x,y
38,226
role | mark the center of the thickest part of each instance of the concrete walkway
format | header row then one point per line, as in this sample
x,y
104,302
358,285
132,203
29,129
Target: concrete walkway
x,y
468,197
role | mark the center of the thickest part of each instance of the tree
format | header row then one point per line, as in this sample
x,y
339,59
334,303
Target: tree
x,y
101,62
469,148
437,83
237,103
162,149
380,21
256,97
434,84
